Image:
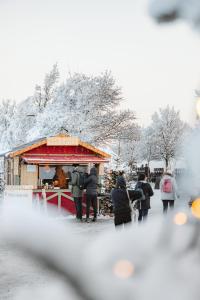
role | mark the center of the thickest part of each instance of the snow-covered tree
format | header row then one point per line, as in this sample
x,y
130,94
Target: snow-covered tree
x,y
168,134
23,120
44,95
7,113
125,146
84,106
146,148
87,107
38,97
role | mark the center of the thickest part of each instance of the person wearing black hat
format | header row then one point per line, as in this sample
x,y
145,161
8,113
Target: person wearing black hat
x,y
121,203
143,205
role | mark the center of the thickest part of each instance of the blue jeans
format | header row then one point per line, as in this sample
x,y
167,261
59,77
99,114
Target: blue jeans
x,y
78,206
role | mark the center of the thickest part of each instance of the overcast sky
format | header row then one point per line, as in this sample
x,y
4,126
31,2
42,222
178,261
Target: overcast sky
x,y
154,65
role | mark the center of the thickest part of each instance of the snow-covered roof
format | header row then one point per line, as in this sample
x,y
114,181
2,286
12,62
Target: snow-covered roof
x,y
20,147
44,140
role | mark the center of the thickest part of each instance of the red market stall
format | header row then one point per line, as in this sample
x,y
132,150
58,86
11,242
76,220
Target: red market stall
x,y
34,164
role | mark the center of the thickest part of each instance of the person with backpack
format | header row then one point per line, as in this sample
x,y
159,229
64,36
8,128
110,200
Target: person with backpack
x,y
91,183
77,190
168,190
143,203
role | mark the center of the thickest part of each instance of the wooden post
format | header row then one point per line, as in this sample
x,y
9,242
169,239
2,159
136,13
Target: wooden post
x,y
28,177
5,171
16,170
44,196
59,200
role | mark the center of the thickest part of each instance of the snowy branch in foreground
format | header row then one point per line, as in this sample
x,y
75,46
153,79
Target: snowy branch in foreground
x,y
155,255
170,10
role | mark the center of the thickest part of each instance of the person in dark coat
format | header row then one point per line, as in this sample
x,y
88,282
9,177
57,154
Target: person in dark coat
x,y
143,206
121,203
121,178
91,193
157,182
77,192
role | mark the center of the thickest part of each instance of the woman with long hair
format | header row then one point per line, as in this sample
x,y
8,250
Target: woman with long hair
x,y
60,176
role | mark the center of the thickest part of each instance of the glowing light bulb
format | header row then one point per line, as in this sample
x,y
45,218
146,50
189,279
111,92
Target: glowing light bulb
x,y
123,269
196,208
180,218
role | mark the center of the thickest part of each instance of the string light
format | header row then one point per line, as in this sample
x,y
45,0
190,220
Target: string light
x,y
196,208
123,269
180,218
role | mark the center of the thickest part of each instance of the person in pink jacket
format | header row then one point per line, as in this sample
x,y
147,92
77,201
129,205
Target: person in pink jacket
x,y
168,190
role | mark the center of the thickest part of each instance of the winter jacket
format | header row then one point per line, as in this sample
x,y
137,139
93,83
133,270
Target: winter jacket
x,y
91,182
148,192
76,192
120,201
173,194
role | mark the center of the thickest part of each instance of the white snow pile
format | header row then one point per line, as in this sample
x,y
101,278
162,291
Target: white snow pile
x,y
159,260
169,10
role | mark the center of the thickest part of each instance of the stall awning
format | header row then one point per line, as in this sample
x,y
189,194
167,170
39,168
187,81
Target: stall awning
x,y
56,159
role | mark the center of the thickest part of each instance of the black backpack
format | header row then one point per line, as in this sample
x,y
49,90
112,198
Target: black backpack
x,y
81,180
139,189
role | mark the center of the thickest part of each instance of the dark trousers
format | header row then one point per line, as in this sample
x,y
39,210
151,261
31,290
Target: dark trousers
x,y
91,199
143,213
122,219
166,204
78,206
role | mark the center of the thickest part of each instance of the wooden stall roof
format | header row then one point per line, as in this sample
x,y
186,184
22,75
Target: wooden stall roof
x,y
56,159
58,140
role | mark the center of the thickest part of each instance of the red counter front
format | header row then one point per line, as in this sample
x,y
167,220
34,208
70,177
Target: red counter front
x,y
60,198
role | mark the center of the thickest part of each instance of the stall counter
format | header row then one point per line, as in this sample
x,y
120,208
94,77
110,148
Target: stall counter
x,y
61,198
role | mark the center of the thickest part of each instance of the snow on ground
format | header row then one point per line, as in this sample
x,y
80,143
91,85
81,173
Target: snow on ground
x,y
20,273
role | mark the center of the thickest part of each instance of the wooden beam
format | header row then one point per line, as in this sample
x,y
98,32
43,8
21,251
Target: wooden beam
x,y
43,142
28,148
63,141
94,149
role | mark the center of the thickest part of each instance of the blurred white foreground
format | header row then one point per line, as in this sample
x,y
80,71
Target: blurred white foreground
x,y
170,10
46,258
